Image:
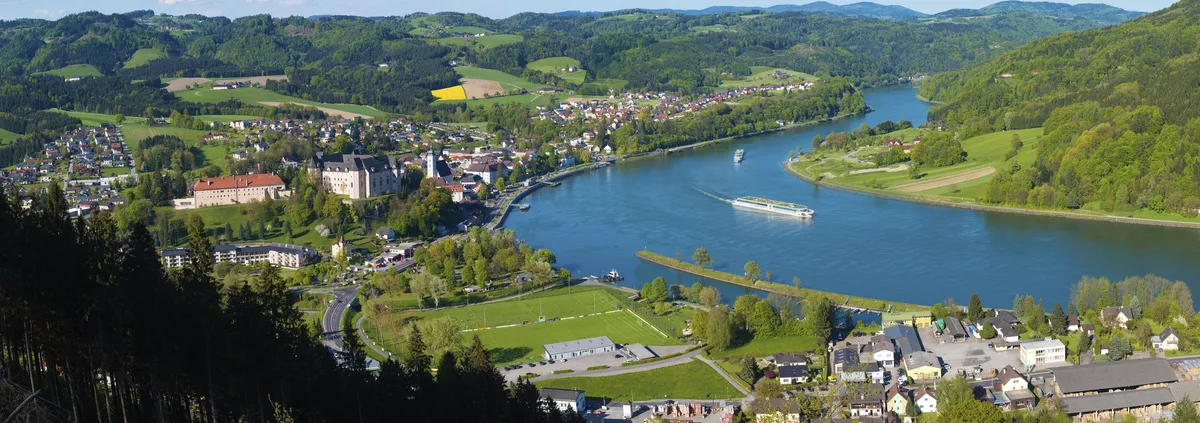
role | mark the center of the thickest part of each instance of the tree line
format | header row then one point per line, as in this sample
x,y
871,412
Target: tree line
x,y
112,336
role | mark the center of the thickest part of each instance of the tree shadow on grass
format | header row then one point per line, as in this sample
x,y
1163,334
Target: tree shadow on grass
x,y
505,355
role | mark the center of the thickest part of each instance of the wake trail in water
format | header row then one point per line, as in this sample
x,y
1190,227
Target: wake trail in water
x,y
718,197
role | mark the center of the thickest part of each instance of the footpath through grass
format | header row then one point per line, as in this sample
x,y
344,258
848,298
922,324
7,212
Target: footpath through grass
x,y
692,380
778,288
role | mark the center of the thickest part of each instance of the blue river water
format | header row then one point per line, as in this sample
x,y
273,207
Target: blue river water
x,y
857,244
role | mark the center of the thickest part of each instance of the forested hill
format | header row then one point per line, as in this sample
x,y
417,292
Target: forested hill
x,y
864,9
1091,11
1116,103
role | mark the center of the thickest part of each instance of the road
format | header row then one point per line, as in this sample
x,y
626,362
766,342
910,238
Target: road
x,y
331,322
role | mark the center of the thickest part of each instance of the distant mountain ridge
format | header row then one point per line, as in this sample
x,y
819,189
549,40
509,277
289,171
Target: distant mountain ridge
x,y
1095,11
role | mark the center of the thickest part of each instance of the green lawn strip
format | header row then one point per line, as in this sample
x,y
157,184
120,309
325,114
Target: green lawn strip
x,y
732,368
113,171
524,343
527,310
507,82
761,347
778,288
226,118
764,75
143,56
95,119
497,40
691,380
71,71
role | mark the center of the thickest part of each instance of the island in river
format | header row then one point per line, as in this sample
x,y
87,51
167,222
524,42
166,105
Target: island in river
x,y
861,245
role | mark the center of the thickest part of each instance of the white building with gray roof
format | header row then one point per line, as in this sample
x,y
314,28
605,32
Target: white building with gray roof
x,y
578,348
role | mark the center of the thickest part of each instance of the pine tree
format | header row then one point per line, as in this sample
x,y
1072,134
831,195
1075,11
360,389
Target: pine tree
x,y
1058,320
975,308
1019,306
354,353
1136,306
228,232
1085,342
1185,411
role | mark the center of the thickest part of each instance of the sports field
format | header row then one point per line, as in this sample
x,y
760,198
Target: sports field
x,y
524,343
502,313
691,380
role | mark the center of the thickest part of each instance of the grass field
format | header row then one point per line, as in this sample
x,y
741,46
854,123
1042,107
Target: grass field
x,y
711,28
216,217
484,42
134,133
7,137
763,75
73,71
692,380
612,83
226,118
251,95
761,347
558,66
984,151
143,56
524,343
577,302
509,82
113,171
472,30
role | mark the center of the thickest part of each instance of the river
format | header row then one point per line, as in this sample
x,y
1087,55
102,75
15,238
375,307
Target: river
x,y
857,244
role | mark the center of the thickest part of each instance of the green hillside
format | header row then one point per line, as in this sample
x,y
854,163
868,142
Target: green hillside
x,y
560,66
71,71
1116,105
143,56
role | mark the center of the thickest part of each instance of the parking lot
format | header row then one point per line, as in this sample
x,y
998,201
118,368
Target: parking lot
x,y
968,354
581,364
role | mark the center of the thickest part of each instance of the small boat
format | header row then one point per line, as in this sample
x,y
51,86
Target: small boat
x,y
522,207
772,206
737,157
613,276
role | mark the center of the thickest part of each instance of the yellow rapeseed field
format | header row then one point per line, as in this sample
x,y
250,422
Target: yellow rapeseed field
x,y
452,93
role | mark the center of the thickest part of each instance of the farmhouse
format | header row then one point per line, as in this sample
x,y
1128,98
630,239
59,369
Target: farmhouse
x,y
565,399
1115,316
237,189
578,348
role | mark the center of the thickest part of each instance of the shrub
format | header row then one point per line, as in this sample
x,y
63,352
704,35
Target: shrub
x,y
559,372
600,367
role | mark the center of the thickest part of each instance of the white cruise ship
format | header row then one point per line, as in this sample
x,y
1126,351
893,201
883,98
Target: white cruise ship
x,y
773,206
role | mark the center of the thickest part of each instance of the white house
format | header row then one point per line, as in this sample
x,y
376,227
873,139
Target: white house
x,y
793,374
565,399
1167,340
926,399
1010,380
1048,351
1117,316
882,351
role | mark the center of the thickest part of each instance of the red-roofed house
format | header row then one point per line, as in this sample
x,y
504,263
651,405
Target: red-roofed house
x,y
236,189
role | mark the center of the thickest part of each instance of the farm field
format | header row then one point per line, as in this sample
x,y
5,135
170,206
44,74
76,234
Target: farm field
x,y
71,71
763,75
563,304
484,42
507,82
143,56
691,380
180,84
262,96
557,66
530,99
134,133
524,343
226,118
456,92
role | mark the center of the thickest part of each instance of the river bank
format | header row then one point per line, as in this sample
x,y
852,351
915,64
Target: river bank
x,y
971,205
871,304
702,144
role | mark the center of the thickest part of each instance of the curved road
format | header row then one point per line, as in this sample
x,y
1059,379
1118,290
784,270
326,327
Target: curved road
x,y
613,371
